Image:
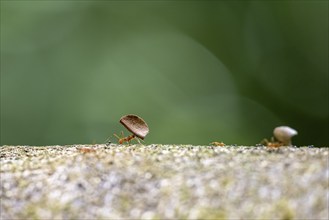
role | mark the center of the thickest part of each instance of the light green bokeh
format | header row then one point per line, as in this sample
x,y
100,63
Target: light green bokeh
x,y
196,71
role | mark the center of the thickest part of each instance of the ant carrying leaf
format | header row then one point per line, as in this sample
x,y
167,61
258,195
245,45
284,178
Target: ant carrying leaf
x,y
136,125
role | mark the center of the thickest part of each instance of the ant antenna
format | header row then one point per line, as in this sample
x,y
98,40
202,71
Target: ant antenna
x,y
116,136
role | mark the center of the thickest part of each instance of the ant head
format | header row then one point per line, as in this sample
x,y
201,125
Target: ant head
x,y
120,139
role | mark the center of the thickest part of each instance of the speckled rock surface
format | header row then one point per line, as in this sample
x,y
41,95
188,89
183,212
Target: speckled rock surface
x,y
163,182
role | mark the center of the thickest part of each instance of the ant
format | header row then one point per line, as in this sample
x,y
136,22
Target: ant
x,y
221,144
126,139
271,143
87,150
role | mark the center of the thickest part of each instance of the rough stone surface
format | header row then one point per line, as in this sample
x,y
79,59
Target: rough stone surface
x,y
163,182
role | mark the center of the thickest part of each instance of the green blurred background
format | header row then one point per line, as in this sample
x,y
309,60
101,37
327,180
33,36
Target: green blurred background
x,y
196,71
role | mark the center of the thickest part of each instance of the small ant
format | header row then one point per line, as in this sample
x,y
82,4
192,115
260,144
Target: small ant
x,y
126,139
221,144
87,150
271,143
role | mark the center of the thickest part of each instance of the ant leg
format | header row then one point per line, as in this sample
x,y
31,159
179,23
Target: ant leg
x,y
139,140
116,136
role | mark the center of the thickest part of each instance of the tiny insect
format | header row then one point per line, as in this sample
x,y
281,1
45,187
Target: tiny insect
x,y
127,139
136,125
271,143
87,150
221,144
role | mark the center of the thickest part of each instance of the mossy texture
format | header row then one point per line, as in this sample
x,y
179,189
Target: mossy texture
x,y
163,182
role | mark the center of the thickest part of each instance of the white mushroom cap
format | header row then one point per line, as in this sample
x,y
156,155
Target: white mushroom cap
x,y
284,134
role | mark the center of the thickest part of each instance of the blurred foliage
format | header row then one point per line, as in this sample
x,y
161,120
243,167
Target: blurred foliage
x,y
196,71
